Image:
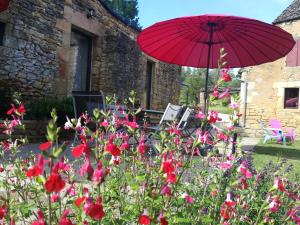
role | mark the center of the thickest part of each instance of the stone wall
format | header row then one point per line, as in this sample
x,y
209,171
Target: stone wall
x,y
28,61
36,58
266,91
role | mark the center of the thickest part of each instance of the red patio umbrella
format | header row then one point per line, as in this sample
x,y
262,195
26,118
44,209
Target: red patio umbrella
x,y
196,41
4,5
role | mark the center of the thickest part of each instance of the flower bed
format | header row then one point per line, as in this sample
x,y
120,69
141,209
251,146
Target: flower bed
x,y
118,175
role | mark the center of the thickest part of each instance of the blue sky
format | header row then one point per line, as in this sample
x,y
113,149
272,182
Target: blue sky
x,y
152,11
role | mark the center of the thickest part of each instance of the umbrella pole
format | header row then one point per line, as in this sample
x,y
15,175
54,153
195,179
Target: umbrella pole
x,y
205,106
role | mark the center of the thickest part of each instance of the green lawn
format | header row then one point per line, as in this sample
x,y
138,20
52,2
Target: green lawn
x,y
263,153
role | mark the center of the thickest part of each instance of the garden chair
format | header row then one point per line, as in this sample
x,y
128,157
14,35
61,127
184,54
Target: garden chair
x,y
171,113
84,101
186,123
290,134
271,133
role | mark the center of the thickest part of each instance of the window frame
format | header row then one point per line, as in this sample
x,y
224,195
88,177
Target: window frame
x,y
285,98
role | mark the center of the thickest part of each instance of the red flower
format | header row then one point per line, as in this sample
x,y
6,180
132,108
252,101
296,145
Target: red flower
x,y
113,149
163,221
3,210
225,75
94,210
188,198
38,169
144,219
64,220
41,219
171,178
278,184
275,204
19,111
168,167
54,183
142,147
45,146
79,201
78,150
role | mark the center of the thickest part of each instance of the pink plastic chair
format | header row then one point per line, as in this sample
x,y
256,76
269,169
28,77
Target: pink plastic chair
x,y
276,124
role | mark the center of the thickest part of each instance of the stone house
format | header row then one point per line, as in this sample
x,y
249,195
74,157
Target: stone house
x,y
273,88
53,47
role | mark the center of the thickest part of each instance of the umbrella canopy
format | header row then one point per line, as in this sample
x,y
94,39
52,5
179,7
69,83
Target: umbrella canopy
x,y
192,41
196,41
4,5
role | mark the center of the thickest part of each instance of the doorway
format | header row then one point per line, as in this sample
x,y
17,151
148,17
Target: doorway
x,y
149,74
81,60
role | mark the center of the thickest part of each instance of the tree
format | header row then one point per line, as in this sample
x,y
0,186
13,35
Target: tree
x,y
193,80
127,9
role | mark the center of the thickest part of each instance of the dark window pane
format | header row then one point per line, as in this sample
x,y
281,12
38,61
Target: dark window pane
x,y
291,98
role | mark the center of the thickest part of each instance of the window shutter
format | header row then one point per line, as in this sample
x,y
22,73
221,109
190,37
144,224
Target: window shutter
x,y
292,57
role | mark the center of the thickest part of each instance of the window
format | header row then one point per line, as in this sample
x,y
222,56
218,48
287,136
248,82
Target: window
x,y
2,33
291,98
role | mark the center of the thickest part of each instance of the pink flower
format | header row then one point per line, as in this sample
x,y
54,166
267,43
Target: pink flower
x,y
98,174
275,204
225,93
86,168
166,190
216,91
188,198
55,197
41,219
245,171
132,124
234,105
104,123
225,165
61,166
200,115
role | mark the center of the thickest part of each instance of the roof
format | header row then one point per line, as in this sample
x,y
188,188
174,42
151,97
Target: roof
x,y
292,12
119,17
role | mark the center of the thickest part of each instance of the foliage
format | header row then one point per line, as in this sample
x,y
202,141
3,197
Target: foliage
x,y
125,8
39,109
193,80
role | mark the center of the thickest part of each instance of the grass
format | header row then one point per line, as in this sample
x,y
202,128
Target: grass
x,y
221,109
263,153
